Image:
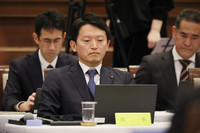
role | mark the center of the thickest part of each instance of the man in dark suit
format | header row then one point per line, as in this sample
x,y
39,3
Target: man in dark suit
x,y
26,73
65,88
165,69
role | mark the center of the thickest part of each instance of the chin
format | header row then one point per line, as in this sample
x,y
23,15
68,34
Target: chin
x,y
186,57
186,54
95,61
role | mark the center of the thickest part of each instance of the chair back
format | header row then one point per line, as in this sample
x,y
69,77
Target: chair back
x,y
4,69
46,70
121,69
194,74
133,69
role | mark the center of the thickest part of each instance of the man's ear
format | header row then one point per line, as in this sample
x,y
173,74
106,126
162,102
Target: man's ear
x,y
108,44
173,31
35,38
73,46
64,35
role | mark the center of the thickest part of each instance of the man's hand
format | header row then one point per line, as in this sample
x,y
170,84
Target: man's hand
x,y
154,34
28,105
153,38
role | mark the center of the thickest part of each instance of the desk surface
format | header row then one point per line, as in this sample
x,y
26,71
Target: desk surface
x,y
105,128
161,118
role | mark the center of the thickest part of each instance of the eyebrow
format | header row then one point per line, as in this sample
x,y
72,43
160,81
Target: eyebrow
x,y
51,39
91,36
194,35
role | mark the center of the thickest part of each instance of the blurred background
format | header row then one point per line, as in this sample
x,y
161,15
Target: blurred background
x,y
17,18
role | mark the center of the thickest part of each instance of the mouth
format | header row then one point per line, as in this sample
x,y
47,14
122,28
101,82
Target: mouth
x,y
52,53
186,49
94,53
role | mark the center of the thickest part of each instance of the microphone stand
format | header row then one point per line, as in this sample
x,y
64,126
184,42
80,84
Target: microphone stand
x,y
74,7
115,23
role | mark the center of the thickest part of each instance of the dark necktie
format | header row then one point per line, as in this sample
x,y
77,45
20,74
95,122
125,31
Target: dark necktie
x,y
91,83
184,72
49,66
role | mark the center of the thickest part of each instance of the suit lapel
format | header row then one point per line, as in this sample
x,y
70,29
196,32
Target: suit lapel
x,y
34,71
78,78
60,61
106,76
168,69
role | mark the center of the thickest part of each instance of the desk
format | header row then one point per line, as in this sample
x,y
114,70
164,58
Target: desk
x,y
105,128
163,116
4,116
160,116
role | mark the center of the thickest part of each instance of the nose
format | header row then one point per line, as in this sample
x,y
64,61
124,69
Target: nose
x,y
52,46
94,44
188,41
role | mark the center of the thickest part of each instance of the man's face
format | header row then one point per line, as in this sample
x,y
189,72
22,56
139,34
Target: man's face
x,y
91,45
187,38
50,43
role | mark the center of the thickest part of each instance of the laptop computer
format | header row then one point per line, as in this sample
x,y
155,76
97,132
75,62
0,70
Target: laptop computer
x,y
37,98
114,98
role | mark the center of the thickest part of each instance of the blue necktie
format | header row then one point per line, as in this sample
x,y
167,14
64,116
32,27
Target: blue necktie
x,y
91,83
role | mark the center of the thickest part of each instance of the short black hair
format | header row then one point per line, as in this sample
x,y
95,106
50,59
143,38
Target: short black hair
x,y
89,18
49,19
190,15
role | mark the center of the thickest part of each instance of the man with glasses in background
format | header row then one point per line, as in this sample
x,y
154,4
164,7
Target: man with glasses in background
x,y
26,73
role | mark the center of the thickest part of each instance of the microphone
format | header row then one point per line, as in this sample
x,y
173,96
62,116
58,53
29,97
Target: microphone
x,y
22,121
27,116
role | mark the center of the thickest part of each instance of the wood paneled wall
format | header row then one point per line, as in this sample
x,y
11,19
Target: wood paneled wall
x,y
17,23
179,5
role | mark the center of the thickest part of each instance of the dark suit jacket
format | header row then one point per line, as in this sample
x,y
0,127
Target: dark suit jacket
x,y
25,76
159,69
65,88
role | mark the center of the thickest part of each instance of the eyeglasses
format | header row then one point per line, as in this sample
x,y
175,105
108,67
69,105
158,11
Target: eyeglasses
x,y
50,41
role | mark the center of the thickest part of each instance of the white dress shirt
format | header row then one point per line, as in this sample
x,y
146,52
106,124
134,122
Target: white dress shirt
x,y
96,77
177,64
44,63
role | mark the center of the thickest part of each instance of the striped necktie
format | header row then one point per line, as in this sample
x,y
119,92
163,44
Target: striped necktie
x,y
184,72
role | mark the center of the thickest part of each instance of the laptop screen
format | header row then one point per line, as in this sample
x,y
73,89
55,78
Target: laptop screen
x,y
113,98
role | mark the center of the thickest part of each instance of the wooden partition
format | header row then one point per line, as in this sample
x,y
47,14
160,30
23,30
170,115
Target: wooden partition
x,y
17,23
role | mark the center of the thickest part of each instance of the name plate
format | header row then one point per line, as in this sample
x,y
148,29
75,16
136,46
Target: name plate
x,y
133,119
34,123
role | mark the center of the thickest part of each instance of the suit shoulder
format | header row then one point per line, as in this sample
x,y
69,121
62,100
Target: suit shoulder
x,y
116,71
63,69
68,56
22,61
155,57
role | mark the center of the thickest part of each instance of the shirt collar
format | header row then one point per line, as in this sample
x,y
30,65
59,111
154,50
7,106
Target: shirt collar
x,y
45,63
85,68
178,57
